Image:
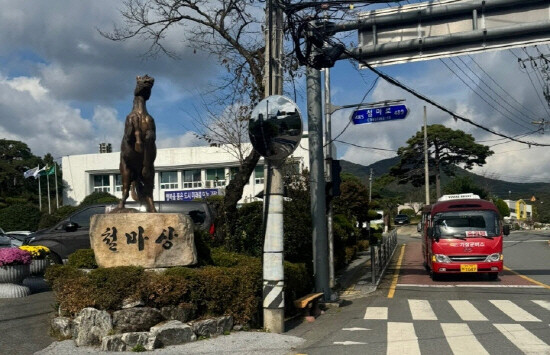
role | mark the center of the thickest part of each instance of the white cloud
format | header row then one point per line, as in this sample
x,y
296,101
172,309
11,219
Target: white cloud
x,y
188,139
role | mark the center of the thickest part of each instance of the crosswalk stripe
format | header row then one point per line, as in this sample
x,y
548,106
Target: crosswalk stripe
x,y
461,339
466,310
376,313
543,304
421,310
405,341
513,311
523,339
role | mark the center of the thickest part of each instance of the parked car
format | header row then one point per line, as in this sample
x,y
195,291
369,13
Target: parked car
x,y
17,237
72,233
5,241
401,219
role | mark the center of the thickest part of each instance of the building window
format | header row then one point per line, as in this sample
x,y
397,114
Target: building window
x,y
169,180
259,174
118,183
101,183
215,177
233,172
192,179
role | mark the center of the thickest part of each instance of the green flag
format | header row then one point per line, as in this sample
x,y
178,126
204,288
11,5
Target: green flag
x,y
48,171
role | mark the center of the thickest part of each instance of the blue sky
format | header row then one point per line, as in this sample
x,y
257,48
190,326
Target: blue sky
x,y
64,89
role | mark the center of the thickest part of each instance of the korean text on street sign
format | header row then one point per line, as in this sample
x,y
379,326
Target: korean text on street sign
x,y
379,114
189,195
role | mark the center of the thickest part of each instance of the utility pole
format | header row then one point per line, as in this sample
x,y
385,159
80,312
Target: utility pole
x,y
273,272
370,185
328,174
317,182
426,165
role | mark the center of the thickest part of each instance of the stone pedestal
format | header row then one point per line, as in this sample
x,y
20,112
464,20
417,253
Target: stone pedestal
x,y
150,240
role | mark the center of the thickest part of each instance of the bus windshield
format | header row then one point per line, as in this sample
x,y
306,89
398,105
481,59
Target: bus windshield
x,y
466,224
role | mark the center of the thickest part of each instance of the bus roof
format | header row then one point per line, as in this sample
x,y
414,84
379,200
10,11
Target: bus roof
x,y
463,205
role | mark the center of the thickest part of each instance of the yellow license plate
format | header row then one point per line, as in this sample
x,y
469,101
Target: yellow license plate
x,y
468,268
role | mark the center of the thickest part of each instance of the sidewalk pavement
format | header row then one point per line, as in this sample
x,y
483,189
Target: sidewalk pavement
x,y
353,281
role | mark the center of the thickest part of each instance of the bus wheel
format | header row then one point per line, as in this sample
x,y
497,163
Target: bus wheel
x,y
493,276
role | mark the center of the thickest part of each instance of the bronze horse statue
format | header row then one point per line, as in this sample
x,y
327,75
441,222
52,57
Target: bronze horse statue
x,y
138,150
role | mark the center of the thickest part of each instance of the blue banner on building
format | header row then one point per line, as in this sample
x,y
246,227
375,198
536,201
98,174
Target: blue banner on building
x,y
189,195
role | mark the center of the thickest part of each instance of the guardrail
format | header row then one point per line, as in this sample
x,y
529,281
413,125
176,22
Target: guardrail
x,y
381,255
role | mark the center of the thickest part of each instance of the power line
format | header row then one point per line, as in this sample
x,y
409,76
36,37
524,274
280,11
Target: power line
x,y
365,147
480,96
500,87
397,83
521,114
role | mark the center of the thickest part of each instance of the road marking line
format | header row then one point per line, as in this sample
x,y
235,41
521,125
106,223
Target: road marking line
x,y
470,285
526,241
347,342
523,339
461,339
404,340
354,329
528,278
514,311
543,304
391,292
466,310
421,310
376,313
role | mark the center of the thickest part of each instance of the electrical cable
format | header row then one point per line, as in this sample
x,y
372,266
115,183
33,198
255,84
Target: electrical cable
x,y
521,114
480,96
422,97
500,87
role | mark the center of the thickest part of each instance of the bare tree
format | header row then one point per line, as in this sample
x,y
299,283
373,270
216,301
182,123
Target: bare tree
x,y
230,30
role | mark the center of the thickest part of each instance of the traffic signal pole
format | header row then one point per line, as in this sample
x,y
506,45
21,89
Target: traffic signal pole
x,y
317,182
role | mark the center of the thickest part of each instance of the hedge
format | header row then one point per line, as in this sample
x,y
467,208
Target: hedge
x,y
19,217
233,286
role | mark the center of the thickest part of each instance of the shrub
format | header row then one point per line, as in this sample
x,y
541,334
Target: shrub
x,y
83,258
49,220
20,217
298,283
249,238
112,285
98,197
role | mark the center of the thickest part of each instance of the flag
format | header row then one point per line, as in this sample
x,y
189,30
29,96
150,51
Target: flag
x,y
49,170
30,172
38,173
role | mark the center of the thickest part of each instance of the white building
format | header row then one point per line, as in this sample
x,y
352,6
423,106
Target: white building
x,y
180,173
519,210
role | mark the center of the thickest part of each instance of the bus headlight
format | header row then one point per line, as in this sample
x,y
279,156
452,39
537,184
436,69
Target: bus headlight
x,y
441,258
493,257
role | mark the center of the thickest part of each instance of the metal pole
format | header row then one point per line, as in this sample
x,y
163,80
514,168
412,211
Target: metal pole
x,y
273,272
39,191
370,186
56,193
328,165
426,166
317,182
48,189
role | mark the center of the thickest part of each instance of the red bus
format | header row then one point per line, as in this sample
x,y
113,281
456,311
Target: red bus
x,y
463,234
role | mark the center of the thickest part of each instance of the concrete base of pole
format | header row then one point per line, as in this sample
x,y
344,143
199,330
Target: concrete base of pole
x,y
274,320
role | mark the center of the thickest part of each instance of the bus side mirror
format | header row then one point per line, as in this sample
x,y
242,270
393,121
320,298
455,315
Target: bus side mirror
x,y
506,229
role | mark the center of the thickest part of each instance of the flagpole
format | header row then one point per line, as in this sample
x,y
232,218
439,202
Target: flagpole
x,y
39,191
56,196
48,183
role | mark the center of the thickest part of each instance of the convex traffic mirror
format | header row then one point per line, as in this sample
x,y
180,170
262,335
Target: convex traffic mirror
x,y
275,127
